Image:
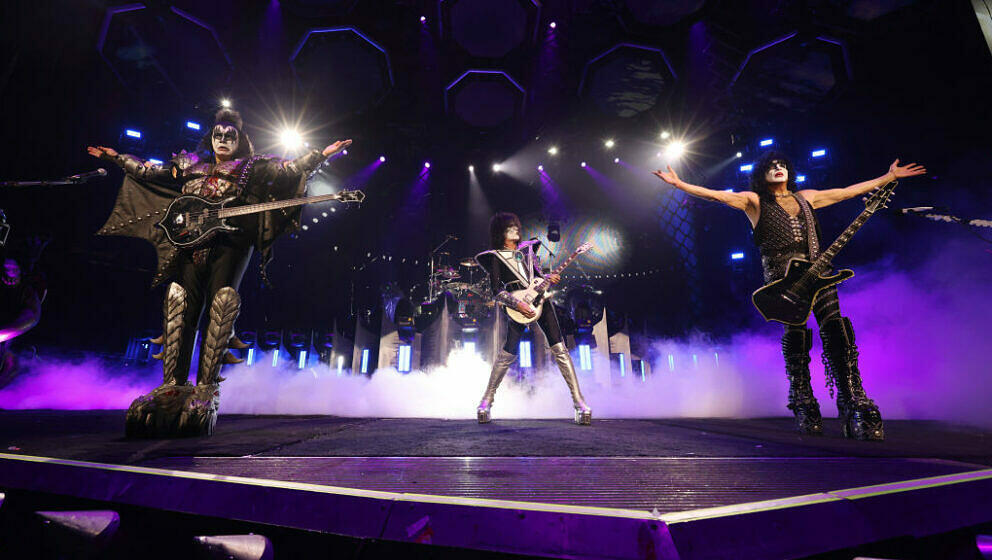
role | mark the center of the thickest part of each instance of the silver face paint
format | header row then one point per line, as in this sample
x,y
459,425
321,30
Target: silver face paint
x,y
224,140
512,233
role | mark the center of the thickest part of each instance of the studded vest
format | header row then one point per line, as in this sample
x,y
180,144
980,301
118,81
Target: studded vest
x,y
213,181
780,236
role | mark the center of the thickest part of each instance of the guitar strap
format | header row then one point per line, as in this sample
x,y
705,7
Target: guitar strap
x,y
811,238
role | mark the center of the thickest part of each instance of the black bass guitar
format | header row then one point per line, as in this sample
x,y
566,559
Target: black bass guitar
x,y
790,299
190,221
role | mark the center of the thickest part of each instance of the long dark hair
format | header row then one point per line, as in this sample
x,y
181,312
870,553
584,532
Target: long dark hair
x,y
761,167
228,117
497,228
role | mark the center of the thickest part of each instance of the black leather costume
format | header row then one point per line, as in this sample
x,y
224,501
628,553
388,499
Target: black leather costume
x,y
781,237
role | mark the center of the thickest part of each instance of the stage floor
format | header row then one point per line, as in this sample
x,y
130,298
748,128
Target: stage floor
x,y
650,465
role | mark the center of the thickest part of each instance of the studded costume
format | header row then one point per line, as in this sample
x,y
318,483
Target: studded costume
x,y
781,237
207,277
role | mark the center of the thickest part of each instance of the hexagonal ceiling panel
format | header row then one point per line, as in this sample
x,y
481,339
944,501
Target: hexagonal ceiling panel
x,y
490,28
792,73
627,80
485,98
343,68
152,48
655,13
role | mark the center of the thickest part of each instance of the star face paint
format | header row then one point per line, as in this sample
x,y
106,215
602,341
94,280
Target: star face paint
x,y
224,140
777,172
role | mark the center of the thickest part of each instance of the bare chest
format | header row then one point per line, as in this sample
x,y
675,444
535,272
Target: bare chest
x,y
790,205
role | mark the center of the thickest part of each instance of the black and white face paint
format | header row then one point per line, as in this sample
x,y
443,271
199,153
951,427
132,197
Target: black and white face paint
x,y
224,140
512,233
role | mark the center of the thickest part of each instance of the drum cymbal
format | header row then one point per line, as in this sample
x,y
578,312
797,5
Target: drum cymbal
x,y
447,273
468,262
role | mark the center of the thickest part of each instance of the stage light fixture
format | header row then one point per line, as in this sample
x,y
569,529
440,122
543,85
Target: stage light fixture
x,y
553,150
583,164
540,168
324,214
496,167
736,256
739,155
291,139
675,149
471,169
554,232
225,103
423,19
818,153
616,160
665,134
193,125
766,142
133,133
154,161
427,165
800,178
344,152
609,144
382,159
552,25
746,168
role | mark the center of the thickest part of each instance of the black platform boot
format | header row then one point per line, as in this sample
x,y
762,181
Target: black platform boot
x,y
796,344
859,414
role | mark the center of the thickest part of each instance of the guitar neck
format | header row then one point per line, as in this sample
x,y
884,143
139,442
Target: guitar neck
x,y
558,270
274,205
823,261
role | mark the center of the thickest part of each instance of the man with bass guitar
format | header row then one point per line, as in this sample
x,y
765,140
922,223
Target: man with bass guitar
x,y
785,228
224,166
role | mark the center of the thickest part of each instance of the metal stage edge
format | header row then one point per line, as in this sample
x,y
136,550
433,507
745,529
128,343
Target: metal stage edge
x,y
790,527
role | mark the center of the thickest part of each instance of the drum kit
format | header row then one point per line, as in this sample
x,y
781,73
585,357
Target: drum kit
x,y
467,282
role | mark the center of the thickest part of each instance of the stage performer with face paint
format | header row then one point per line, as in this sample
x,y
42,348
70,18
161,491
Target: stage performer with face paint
x,y
206,278
785,227
513,265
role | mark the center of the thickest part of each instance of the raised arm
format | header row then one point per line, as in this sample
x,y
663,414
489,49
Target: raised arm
x,y
746,201
826,197
134,166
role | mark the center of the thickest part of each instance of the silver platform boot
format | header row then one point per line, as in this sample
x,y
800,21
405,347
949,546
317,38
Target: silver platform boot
x,y
502,364
583,414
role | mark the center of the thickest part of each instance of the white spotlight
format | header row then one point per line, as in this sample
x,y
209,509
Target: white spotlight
x,y
665,134
740,155
609,143
471,169
291,139
616,160
496,167
540,168
675,149
553,150
583,164
225,103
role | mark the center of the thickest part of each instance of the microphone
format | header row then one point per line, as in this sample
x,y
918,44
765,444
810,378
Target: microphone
x,y
83,177
455,237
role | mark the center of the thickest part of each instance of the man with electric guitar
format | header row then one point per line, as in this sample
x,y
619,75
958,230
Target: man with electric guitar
x,y
520,288
799,280
181,207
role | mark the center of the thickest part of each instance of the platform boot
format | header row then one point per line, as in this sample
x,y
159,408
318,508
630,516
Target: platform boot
x,y
502,364
796,344
583,414
859,414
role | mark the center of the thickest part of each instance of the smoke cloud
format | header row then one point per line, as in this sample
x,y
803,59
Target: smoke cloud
x,y
923,336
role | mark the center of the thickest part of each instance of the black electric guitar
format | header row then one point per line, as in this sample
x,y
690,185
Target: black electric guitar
x,y
191,220
790,299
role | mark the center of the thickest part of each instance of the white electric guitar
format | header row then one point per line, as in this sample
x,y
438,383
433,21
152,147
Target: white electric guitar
x,y
535,293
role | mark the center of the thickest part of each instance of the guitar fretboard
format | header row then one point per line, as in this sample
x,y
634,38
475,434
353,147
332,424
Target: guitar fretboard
x,y
558,270
274,205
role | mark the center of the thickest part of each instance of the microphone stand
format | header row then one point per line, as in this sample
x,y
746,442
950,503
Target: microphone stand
x,y
53,183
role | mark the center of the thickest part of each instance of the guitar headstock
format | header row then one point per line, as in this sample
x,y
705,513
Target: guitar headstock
x,y
584,247
351,196
879,198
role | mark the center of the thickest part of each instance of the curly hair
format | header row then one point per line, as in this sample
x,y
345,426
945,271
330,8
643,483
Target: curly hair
x,y
497,228
228,117
761,167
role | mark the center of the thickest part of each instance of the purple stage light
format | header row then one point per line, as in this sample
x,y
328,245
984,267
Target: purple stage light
x,y
540,168
427,164
583,164
344,152
616,160
423,19
382,159
552,25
